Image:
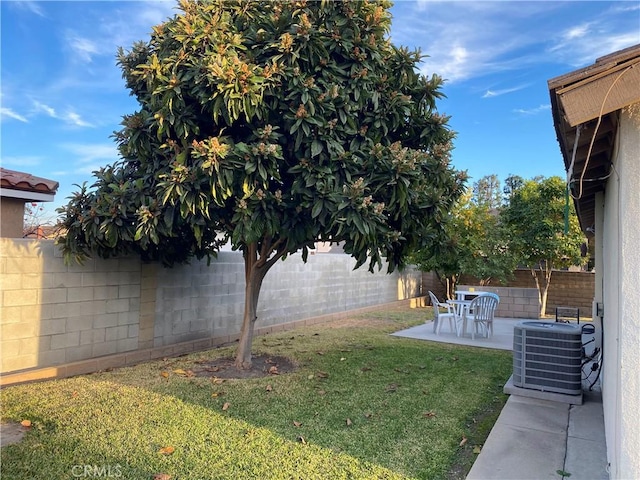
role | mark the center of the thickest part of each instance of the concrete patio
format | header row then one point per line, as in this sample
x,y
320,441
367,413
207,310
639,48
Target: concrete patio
x,y
534,438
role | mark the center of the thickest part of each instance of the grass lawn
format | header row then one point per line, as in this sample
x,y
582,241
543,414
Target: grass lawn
x,y
360,404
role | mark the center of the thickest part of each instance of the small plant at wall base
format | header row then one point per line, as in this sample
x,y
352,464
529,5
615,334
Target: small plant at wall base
x,y
272,129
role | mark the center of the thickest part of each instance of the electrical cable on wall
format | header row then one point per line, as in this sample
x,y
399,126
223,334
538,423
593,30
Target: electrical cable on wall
x,y
595,132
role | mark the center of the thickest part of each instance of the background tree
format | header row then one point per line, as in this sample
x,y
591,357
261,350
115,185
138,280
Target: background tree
x,y
271,128
535,220
474,241
511,184
486,192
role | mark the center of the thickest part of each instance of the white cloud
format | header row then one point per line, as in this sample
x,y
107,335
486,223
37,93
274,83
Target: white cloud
x,y
504,91
91,156
7,112
84,48
33,7
69,117
43,108
533,111
75,119
22,161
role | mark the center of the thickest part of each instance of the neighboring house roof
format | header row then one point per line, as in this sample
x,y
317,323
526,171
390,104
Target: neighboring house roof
x,y
26,186
584,104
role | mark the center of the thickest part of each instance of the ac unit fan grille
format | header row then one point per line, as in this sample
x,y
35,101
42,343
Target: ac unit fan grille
x,y
547,359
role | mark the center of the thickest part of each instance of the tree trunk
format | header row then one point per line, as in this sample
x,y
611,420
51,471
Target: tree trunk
x,y
255,269
543,288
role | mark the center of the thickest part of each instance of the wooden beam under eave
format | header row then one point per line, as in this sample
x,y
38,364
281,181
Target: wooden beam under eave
x,y
615,90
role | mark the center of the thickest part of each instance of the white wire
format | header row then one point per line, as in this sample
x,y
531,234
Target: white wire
x,y
595,131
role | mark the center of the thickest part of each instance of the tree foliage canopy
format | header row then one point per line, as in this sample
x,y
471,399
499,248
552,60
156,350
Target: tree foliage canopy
x,y
272,128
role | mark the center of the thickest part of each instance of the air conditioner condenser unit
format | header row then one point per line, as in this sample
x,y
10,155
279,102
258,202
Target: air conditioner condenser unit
x,y
547,356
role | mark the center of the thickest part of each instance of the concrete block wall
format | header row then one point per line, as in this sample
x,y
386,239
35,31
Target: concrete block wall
x,y
54,314
514,302
119,310
198,300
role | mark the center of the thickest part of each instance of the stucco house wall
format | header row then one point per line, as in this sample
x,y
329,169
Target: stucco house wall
x,y
620,281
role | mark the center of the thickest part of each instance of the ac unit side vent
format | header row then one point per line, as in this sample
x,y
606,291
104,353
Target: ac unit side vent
x,y
547,356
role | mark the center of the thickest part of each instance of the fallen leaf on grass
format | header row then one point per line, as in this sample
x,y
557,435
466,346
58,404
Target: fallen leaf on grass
x,y
310,377
342,359
463,442
349,422
164,374
477,449
368,415
429,414
217,380
302,440
217,394
168,450
269,388
226,406
392,387
26,423
184,373
161,476
320,353
297,424
322,375
321,392
274,370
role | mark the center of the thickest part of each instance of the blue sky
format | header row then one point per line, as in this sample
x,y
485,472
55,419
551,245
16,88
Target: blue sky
x,y
62,94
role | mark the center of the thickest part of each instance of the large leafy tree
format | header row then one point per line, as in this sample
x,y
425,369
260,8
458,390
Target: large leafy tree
x,y
271,126
535,218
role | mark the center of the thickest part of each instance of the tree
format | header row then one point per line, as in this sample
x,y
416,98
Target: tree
x,y
486,192
271,128
535,219
474,242
511,184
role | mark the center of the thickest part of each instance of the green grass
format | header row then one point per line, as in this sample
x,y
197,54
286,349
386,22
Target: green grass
x,y
387,407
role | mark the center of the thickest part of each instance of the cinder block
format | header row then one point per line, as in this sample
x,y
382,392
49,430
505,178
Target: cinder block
x,y
10,281
52,327
52,295
65,340
104,292
127,344
11,314
106,348
74,324
116,333
93,279
83,352
18,363
10,348
52,357
67,280
129,291
117,306
80,294
12,298
106,320
11,331
23,264
133,331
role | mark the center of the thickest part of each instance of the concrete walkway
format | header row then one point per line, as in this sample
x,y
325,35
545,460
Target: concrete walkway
x,y
534,438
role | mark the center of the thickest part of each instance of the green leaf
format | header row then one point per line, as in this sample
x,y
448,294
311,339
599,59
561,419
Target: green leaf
x,y
316,148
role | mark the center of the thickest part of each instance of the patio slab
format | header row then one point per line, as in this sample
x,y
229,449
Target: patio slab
x,y
534,438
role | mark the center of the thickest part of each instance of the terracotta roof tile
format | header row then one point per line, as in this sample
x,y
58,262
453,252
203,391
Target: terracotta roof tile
x,y
13,180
